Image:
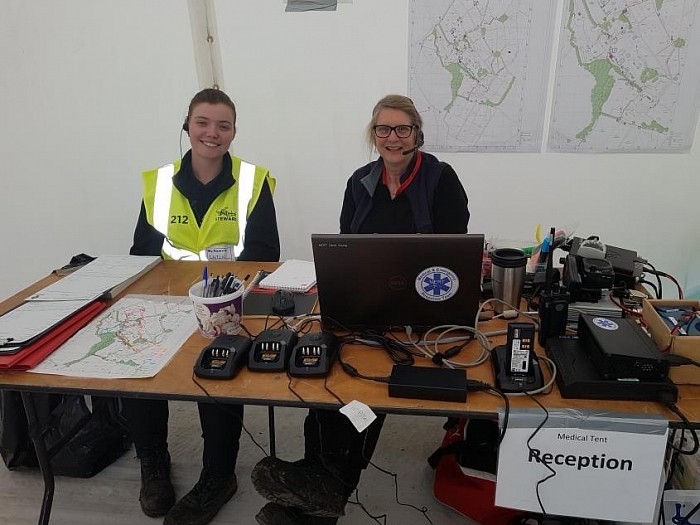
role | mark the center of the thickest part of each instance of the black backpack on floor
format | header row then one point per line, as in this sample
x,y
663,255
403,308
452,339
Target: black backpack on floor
x,y
80,441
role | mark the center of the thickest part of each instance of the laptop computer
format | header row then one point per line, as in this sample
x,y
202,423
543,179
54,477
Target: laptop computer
x,y
389,281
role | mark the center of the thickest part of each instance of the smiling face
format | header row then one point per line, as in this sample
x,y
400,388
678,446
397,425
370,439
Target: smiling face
x,y
392,147
211,130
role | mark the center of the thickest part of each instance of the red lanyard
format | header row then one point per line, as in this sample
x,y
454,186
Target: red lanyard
x,y
406,183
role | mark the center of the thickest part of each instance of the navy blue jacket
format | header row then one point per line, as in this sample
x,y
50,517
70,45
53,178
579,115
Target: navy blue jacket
x,y
435,202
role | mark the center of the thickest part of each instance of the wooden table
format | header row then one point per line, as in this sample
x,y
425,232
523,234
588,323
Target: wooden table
x,y
175,381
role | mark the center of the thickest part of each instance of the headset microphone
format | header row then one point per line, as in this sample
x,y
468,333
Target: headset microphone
x,y
419,143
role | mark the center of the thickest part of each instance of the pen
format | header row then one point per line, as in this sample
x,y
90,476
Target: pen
x,y
205,278
240,283
226,283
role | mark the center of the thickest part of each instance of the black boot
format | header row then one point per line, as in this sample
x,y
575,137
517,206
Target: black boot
x,y
157,495
307,485
201,504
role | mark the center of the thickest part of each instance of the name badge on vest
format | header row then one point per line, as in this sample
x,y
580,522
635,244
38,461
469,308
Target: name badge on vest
x,y
220,253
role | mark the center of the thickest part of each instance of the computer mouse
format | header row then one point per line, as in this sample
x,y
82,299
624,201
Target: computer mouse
x,y
283,302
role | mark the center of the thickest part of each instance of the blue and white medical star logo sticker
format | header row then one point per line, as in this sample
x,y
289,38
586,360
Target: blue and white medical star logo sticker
x,y
437,283
605,323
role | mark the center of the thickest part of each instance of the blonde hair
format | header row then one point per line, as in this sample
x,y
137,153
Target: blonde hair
x,y
399,102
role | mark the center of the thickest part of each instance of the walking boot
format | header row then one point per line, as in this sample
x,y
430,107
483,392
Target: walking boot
x,y
204,501
305,485
157,494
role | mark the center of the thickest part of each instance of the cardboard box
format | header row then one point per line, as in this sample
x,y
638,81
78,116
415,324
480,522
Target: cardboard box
x,y
686,345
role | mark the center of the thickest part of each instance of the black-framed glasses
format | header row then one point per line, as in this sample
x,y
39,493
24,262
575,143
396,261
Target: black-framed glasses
x,y
403,131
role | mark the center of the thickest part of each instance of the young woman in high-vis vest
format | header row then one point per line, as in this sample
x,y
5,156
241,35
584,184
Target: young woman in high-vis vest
x,y
209,205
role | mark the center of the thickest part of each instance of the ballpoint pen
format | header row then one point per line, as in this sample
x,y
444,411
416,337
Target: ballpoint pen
x,y
213,287
240,283
205,279
226,283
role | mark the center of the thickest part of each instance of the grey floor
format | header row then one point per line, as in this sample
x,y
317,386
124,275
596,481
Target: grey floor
x,y
111,497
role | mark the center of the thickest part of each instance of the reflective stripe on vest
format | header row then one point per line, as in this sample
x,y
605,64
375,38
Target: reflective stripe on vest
x,y
181,255
246,179
161,210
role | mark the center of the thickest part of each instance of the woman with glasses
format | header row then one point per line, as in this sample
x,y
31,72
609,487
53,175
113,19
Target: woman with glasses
x,y
404,191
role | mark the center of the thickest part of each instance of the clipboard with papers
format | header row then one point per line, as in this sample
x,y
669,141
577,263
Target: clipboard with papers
x,y
45,310
32,319
31,354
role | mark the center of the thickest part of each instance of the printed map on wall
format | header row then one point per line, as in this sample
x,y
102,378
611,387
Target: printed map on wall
x,y
627,76
478,72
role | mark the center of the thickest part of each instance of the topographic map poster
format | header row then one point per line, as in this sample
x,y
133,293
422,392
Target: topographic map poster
x,y
135,337
478,72
627,76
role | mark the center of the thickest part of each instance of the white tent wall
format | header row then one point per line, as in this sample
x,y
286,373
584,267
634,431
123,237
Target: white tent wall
x,y
95,92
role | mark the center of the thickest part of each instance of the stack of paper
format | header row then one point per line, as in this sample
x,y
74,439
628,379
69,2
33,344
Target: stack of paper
x,y
108,275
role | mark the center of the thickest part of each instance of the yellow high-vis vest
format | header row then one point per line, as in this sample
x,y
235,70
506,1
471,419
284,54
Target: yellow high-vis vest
x,y
221,234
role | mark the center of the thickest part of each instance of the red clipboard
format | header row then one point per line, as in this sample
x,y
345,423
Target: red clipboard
x,y
36,352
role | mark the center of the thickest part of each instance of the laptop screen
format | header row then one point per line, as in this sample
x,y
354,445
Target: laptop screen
x,y
389,281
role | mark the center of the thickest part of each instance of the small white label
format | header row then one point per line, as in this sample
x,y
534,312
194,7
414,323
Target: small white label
x,y
222,252
359,414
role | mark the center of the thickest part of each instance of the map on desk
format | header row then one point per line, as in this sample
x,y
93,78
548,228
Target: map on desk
x,y
135,338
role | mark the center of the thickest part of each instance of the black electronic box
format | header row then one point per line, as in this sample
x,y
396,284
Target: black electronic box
x,y
619,348
577,377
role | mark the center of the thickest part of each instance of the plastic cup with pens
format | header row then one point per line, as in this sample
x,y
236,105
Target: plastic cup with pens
x,y
218,307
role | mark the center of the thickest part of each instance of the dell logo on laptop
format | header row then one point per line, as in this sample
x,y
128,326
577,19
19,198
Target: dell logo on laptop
x,y
397,282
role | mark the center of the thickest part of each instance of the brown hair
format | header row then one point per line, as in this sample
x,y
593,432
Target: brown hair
x,y
399,102
210,96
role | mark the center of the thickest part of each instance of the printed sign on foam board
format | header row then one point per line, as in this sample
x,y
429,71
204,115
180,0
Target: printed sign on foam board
x,y
595,465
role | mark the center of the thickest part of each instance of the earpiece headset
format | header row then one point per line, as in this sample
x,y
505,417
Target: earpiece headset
x,y
186,129
419,142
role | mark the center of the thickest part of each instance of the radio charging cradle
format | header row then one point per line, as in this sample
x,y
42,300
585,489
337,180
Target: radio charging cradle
x,y
515,364
314,355
271,350
224,357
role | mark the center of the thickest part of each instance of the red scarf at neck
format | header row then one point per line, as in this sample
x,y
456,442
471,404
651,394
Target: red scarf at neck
x,y
406,183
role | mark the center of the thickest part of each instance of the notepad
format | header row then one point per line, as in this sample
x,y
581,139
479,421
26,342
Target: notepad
x,y
293,275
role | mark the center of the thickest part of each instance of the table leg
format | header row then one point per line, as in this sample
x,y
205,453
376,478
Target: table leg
x,y
35,434
271,426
